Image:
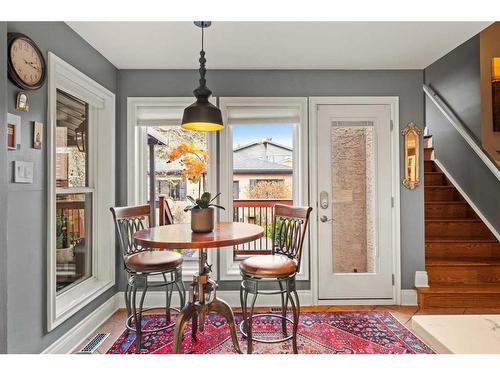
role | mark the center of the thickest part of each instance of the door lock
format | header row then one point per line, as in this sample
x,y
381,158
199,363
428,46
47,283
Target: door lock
x,y
323,200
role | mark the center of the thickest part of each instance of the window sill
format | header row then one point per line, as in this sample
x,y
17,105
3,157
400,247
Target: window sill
x,y
74,299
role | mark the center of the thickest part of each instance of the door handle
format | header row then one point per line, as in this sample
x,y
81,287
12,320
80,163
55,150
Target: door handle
x,y
324,219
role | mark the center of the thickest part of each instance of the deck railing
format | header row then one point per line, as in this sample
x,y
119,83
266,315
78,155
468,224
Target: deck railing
x,y
260,212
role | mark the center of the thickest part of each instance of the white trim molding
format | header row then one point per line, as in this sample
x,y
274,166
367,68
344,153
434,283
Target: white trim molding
x,y
70,341
421,279
408,297
462,130
393,102
101,166
467,198
258,110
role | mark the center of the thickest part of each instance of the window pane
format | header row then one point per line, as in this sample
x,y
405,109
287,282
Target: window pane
x,y
73,239
71,141
263,158
353,196
171,177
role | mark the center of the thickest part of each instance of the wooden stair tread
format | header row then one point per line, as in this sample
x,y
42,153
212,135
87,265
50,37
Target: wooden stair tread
x,y
457,220
461,288
461,239
447,202
460,262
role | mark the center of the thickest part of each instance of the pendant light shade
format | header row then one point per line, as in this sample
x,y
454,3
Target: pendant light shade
x,y
202,115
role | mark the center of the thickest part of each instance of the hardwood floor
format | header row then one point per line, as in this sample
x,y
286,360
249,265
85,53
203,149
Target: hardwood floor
x,y
462,255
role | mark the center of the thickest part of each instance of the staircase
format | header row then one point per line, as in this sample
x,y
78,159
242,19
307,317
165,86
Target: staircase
x,y
462,256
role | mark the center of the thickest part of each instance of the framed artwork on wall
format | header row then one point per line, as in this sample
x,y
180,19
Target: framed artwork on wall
x,y
13,132
495,92
37,134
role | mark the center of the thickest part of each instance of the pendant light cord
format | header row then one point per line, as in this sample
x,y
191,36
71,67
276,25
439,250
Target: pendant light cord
x,y
202,60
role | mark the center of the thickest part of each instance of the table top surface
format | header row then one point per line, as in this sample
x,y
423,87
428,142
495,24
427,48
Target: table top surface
x,y
180,236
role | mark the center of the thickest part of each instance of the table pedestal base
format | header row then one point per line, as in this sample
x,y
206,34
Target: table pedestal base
x,y
202,300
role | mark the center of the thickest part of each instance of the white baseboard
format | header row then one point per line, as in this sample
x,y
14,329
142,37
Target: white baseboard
x,y
468,200
408,297
68,342
232,297
421,279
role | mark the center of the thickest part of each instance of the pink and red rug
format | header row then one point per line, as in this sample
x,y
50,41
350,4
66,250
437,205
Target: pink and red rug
x,y
319,333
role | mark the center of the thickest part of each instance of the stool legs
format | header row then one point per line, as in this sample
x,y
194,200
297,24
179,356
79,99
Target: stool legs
x,y
287,292
135,311
284,306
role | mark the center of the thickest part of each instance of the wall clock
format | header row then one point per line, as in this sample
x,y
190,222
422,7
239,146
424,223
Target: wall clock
x,y
26,64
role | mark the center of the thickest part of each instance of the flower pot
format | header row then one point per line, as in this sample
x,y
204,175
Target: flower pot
x,y
202,220
65,255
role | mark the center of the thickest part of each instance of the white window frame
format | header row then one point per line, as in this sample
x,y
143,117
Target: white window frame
x,y
137,157
229,269
101,159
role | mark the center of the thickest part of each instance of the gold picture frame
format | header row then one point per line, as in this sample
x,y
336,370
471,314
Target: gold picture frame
x,y
22,101
411,134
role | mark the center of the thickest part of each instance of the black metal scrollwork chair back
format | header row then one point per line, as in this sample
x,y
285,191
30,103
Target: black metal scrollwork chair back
x,y
289,231
142,263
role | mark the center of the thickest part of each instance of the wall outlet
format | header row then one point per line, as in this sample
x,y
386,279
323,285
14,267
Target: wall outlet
x,y
23,172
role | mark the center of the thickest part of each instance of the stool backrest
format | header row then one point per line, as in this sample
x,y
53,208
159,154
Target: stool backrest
x,y
289,230
130,219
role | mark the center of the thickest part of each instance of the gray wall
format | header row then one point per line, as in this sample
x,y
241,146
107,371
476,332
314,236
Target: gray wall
x,y
3,189
405,84
455,77
26,211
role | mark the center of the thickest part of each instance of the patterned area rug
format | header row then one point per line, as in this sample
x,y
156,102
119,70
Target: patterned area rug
x,y
319,333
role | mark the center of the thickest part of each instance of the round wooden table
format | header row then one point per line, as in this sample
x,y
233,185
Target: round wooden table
x,y
202,296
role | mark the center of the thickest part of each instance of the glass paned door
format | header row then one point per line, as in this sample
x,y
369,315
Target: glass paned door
x,y
355,209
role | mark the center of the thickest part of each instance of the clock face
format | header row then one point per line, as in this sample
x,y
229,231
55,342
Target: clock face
x,y
26,62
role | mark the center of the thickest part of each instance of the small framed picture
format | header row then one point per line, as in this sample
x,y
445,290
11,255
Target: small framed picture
x,y
13,132
22,101
23,172
37,134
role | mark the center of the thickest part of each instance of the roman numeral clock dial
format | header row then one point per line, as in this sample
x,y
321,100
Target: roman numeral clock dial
x,y
26,64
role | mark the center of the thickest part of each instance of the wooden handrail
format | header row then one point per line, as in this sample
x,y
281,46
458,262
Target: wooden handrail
x,y
462,130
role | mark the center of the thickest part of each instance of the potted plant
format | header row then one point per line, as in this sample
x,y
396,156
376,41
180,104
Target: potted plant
x,y
202,212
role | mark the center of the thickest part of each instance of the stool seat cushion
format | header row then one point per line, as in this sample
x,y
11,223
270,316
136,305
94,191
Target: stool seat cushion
x,y
269,266
153,261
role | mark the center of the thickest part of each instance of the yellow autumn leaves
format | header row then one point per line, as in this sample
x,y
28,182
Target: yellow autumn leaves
x,y
193,158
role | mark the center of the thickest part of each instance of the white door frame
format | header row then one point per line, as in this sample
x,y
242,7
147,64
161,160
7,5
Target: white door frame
x,y
393,101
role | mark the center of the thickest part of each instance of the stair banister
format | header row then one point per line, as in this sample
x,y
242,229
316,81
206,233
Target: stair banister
x,y
462,130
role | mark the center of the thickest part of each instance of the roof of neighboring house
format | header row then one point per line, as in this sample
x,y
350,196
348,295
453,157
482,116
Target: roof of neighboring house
x,y
241,164
163,166
236,149
244,164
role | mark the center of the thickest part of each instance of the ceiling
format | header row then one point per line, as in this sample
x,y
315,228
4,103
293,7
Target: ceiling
x,y
276,45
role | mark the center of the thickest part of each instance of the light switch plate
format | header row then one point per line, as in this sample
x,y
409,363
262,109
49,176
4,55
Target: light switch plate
x,y
23,172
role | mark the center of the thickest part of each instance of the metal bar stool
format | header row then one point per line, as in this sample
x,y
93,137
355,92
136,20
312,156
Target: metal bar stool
x,y
289,230
142,263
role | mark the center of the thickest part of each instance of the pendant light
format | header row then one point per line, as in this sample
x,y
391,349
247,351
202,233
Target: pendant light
x,y
202,115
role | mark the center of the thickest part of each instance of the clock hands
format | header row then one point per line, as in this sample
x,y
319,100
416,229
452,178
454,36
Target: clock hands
x,y
32,64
